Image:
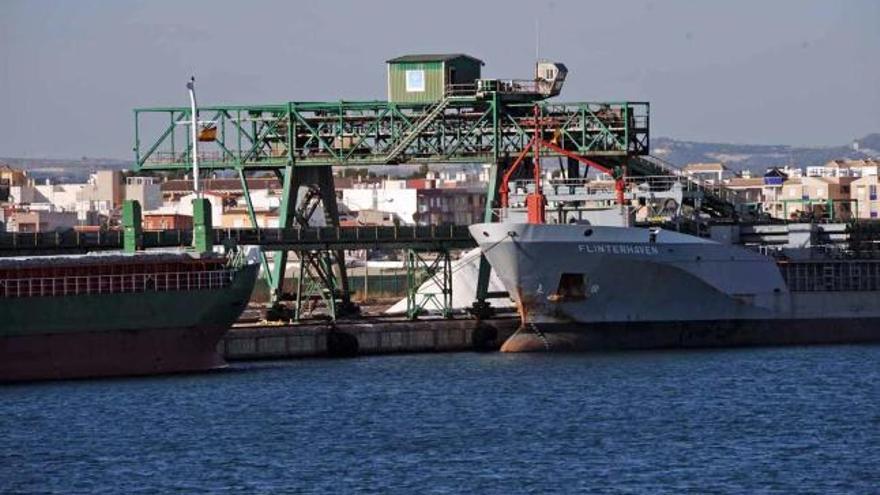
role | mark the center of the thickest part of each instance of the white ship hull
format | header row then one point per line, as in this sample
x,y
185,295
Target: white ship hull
x,y
586,287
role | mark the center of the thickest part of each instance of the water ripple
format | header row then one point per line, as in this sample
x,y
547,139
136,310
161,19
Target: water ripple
x,y
786,420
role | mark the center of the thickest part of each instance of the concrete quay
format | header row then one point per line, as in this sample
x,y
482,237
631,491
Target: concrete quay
x,y
366,336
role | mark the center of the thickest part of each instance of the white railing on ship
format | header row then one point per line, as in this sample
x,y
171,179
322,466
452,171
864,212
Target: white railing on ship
x,y
591,186
115,284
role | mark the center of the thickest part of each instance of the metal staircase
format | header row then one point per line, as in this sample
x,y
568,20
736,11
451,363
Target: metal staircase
x,y
413,132
658,166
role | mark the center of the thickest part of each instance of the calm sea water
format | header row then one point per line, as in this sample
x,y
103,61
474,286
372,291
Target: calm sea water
x,y
787,420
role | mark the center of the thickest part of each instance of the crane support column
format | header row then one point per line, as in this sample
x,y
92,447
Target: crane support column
x,y
285,220
481,307
323,272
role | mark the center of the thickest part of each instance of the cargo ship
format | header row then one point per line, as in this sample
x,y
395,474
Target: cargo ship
x,y
585,287
101,315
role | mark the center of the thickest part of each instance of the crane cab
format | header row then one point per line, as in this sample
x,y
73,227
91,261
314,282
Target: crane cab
x,y
549,77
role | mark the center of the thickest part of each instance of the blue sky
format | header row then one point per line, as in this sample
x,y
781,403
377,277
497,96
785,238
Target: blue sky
x,y
780,72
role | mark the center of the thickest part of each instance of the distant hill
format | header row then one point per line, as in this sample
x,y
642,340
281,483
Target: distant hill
x,y
758,158
66,170
737,157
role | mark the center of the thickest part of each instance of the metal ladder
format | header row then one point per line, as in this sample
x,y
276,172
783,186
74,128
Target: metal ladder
x,y
433,112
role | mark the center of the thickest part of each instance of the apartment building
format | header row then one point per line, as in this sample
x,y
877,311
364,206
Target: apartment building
x,y
10,178
817,197
26,220
845,168
864,194
104,191
418,201
712,173
144,190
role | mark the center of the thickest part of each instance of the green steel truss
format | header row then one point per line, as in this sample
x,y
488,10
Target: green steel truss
x,y
466,129
437,293
316,285
299,141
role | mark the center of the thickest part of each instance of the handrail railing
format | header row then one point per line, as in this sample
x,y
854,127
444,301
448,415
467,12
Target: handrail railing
x,y
461,90
448,235
508,86
652,182
115,284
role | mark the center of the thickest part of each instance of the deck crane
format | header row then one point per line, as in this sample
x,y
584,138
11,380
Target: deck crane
x,y
535,201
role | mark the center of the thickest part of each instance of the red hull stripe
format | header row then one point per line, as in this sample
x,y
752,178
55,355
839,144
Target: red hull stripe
x,y
118,353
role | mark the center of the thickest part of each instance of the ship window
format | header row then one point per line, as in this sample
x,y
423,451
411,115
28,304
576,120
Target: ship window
x,y
571,287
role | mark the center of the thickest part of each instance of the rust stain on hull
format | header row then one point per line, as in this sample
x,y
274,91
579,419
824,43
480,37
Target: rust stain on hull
x,y
524,339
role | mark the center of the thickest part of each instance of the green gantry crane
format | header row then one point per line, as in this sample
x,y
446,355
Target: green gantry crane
x,y
476,121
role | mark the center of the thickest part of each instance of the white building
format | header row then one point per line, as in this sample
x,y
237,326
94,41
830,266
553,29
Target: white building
x,y
398,200
104,191
22,194
265,199
845,168
145,191
712,173
184,207
790,172
40,221
63,197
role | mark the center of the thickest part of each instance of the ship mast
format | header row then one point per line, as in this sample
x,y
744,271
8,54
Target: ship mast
x,y
191,86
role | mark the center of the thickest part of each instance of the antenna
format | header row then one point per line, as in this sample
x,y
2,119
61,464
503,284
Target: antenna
x,y
537,39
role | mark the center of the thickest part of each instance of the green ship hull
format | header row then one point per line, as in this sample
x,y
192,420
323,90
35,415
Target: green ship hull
x,y
134,333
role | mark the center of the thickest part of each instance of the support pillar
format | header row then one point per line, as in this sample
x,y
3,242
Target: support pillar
x,y
203,229
418,271
303,189
133,233
253,218
327,188
481,307
315,283
285,220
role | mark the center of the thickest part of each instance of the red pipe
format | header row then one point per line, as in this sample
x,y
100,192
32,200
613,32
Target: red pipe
x,y
504,189
618,182
535,201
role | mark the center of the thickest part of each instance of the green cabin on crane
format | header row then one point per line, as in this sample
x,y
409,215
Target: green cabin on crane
x,y
424,78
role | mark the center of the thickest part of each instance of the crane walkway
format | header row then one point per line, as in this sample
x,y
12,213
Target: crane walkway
x,y
431,237
460,128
